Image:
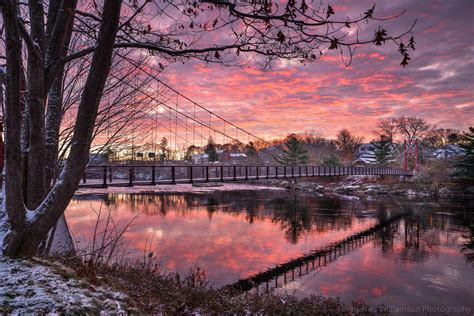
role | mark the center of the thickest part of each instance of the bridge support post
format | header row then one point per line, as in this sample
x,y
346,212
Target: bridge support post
x,y
292,171
190,174
110,175
268,171
153,175
207,173
284,172
130,177
222,174
257,172
276,172
246,172
104,176
173,175
299,171
235,173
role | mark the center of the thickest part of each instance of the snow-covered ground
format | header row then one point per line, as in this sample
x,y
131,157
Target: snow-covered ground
x,y
177,188
35,286
31,287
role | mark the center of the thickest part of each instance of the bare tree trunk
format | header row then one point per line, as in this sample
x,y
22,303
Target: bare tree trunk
x,y
54,114
35,185
25,240
13,171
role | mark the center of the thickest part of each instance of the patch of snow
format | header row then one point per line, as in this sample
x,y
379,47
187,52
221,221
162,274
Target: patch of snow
x,y
62,239
348,197
28,287
30,215
177,188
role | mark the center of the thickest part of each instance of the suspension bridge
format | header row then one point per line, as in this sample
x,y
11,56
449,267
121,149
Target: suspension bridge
x,y
143,175
186,127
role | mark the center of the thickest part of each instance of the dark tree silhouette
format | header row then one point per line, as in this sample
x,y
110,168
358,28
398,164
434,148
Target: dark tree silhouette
x,y
211,150
347,143
383,149
225,32
387,127
412,128
293,152
465,165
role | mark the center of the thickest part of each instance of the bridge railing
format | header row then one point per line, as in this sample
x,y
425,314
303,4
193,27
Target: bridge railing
x,y
130,175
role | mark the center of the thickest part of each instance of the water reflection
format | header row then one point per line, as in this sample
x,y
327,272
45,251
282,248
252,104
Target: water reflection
x,y
234,235
426,259
231,235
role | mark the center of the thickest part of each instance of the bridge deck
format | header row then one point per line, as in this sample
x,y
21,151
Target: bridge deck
x,y
139,175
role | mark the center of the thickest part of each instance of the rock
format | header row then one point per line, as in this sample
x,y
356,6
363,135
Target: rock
x,y
208,184
319,188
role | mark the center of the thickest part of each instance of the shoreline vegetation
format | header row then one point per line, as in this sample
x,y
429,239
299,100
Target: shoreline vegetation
x,y
54,284
145,287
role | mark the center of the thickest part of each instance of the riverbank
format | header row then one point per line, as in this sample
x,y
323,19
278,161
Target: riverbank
x,y
51,286
373,186
201,188
150,290
39,286
360,186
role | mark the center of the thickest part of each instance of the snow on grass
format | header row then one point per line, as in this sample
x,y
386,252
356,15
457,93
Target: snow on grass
x,y
31,287
36,286
177,188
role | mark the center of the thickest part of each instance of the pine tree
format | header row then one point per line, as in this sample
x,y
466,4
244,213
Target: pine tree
x,y
211,150
465,165
250,150
383,149
165,152
294,152
331,160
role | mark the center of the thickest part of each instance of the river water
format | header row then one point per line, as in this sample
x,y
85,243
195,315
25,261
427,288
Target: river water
x,y
422,260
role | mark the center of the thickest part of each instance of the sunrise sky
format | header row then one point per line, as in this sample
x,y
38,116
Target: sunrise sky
x,y
326,96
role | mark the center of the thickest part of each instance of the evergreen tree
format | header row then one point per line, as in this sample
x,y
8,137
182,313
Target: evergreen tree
x,y
294,152
211,150
165,152
383,149
250,150
465,165
331,160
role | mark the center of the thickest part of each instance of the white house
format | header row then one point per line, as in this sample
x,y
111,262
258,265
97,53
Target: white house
x,y
224,156
366,155
449,152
